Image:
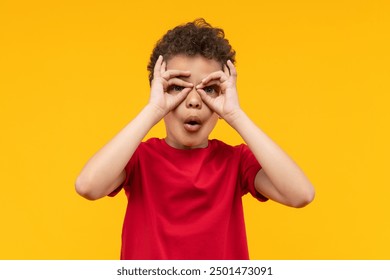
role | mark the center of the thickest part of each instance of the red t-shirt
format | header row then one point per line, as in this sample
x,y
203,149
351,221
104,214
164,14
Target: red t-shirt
x,y
186,204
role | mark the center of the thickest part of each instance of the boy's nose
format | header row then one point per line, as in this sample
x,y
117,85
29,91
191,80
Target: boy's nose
x,y
194,100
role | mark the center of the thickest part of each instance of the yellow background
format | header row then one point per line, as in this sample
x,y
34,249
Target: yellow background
x,y
314,75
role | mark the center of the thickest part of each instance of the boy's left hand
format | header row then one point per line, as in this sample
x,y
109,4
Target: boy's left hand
x,y
225,104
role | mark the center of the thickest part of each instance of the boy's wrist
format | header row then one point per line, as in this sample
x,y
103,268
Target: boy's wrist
x,y
235,118
155,112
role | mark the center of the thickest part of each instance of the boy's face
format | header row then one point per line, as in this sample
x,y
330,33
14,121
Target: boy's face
x,y
189,125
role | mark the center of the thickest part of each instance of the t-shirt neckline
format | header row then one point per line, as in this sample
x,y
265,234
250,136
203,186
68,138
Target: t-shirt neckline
x,y
163,141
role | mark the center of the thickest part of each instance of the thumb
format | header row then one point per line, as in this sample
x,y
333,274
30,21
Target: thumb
x,y
179,98
208,100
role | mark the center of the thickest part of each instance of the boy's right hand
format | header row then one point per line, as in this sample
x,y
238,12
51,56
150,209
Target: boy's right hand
x,y
163,79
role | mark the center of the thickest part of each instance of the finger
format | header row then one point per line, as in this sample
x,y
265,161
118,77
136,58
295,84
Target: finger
x,y
157,67
226,70
179,98
179,82
183,94
210,83
205,97
163,67
175,73
208,100
232,68
219,75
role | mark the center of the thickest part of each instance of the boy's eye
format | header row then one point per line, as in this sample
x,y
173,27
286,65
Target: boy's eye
x,y
211,90
176,88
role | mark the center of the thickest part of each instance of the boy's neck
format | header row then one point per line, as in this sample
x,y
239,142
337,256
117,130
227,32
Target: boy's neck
x,y
181,146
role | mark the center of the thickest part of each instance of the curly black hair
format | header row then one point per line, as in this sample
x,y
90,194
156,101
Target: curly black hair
x,y
193,38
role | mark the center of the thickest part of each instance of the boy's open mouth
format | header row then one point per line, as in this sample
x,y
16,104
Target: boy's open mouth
x,y
192,124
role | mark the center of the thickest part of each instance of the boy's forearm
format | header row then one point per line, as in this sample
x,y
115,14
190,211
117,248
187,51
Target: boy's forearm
x,y
282,171
101,171
264,149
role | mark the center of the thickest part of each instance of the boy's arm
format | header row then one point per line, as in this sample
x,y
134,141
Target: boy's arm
x,y
280,179
104,172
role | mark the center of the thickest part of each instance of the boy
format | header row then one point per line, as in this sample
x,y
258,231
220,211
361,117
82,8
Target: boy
x,y
184,191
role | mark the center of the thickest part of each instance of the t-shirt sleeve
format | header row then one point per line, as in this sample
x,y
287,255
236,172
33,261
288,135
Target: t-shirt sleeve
x,y
249,166
128,170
